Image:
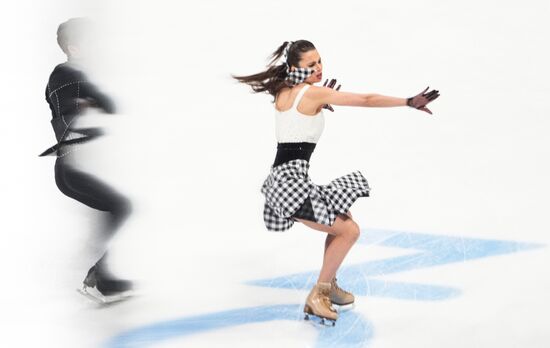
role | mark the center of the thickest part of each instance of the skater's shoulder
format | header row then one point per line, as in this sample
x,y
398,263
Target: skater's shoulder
x,y
65,74
66,68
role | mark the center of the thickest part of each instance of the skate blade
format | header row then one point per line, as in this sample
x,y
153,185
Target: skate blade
x,y
344,308
95,298
319,321
99,298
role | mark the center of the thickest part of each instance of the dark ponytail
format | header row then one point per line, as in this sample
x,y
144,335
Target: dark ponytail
x,y
274,79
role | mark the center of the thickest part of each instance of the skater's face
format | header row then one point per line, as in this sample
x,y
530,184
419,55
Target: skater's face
x,y
81,47
312,59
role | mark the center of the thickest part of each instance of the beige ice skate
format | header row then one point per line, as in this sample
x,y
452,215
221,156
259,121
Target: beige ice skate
x,y
318,303
339,296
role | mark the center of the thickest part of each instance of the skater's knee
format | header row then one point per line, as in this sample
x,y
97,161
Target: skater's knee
x,y
353,232
125,207
128,207
349,230
121,208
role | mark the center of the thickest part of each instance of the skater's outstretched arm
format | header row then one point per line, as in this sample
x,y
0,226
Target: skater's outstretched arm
x,y
325,95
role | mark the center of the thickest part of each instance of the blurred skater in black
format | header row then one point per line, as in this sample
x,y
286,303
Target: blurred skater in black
x,y
69,94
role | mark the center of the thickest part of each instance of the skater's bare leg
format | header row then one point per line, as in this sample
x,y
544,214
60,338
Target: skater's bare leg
x,y
343,233
330,238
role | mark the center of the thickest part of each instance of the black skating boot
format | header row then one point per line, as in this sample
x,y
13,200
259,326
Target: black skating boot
x,y
102,287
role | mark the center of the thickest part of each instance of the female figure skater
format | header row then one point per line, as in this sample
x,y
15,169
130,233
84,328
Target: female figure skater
x,y
289,193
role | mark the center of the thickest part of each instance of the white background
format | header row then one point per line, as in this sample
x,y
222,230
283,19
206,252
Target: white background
x,y
191,148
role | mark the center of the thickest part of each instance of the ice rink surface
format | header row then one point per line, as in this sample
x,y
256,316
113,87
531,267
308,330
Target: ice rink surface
x,y
454,245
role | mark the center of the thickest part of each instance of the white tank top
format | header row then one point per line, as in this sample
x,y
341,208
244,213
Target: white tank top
x,y
292,126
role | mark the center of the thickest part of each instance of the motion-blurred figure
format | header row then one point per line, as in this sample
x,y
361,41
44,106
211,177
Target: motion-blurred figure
x,y
69,94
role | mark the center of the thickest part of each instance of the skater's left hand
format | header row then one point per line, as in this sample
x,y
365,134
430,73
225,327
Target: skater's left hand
x,y
331,84
422,99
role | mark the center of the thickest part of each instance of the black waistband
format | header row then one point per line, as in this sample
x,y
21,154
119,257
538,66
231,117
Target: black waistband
x,y
291,151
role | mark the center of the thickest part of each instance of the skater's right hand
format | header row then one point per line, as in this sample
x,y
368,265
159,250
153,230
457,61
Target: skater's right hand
x,y
331,84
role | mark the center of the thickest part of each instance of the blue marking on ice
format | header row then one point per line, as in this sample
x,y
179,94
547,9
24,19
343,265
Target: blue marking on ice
x,y
432,250
352,329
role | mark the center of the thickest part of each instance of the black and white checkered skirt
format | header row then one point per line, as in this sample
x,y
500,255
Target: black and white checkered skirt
x,y
290,193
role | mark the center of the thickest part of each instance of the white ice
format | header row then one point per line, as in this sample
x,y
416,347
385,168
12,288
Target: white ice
x,y
193,147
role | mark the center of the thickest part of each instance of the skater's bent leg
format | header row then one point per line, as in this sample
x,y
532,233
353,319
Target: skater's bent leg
x,y
330,237
328,241
94,193
345,233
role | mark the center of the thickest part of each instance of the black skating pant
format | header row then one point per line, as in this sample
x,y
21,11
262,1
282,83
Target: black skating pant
x,y
94,193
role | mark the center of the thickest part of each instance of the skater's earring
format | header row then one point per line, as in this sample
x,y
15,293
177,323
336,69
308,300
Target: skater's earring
x,y
73,51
